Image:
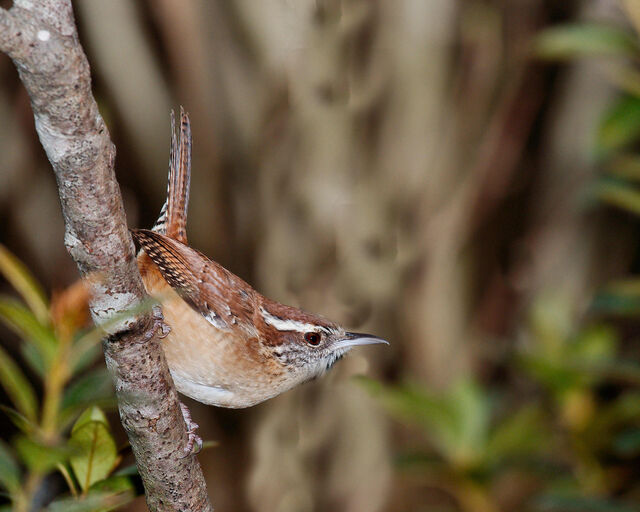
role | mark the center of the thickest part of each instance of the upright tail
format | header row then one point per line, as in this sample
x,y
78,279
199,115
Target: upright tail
x,y
173,216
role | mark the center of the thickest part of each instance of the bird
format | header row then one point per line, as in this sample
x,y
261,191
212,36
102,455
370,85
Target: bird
x,y
226,344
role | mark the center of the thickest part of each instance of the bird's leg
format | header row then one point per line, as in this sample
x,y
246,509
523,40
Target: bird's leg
x,y
193,438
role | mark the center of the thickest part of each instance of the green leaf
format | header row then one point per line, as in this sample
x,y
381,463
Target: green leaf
x,y
520,434
65,471
93,502
472,409
627,79
210,443
419,462
81,360
614,418
94,388
33,358
115,483
86,349
17,387
624,371
549,372
615,304
620,125
131,470
627,444
414,406
9,470
620,196
620,297
95,450
561,502
583,40
91,414
625,166
40,457
594,344
25,284
452,429
551,325
25,324
624,409
24,425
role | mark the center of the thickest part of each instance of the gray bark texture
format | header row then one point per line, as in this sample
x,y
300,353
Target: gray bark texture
x,y
40,37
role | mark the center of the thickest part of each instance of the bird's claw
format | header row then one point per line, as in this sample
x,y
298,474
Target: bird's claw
x,y
158,324
192,437
158,319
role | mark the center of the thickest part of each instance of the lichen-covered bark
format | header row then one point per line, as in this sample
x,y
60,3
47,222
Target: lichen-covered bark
x,y
41,38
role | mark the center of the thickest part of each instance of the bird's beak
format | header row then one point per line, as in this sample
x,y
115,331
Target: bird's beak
x,y
353,339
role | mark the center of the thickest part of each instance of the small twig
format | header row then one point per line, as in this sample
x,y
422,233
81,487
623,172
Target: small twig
x,y
41,39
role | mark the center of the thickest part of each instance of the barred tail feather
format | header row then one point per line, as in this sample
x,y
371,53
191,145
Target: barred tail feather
x,y
173,216
160,225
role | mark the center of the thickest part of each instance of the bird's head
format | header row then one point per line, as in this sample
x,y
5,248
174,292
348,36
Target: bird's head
x,y
307,345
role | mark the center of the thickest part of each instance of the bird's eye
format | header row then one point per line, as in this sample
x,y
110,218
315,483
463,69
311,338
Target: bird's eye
x,y
312,338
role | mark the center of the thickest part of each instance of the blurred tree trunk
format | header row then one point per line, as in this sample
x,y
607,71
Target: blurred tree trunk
x,y
327,242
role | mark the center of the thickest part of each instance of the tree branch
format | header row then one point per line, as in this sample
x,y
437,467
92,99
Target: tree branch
x,y
41,38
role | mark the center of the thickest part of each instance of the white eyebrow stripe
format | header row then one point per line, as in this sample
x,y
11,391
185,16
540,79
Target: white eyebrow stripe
x,y
290,325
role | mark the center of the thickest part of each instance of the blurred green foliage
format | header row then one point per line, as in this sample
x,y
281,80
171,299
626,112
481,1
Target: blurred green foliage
x,y
571,447
619,131
618,134
585,40
571,432
60,426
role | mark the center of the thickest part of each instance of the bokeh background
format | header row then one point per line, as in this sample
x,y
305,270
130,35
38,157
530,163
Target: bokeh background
x,y
459,177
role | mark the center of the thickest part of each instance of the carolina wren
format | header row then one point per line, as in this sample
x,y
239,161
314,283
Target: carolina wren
x,y
227,345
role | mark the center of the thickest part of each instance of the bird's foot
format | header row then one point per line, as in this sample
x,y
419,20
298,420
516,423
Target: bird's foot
x,y
193,438
158,324
158,319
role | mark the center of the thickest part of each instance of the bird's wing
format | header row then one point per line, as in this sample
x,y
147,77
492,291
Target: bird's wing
x,y
220,296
